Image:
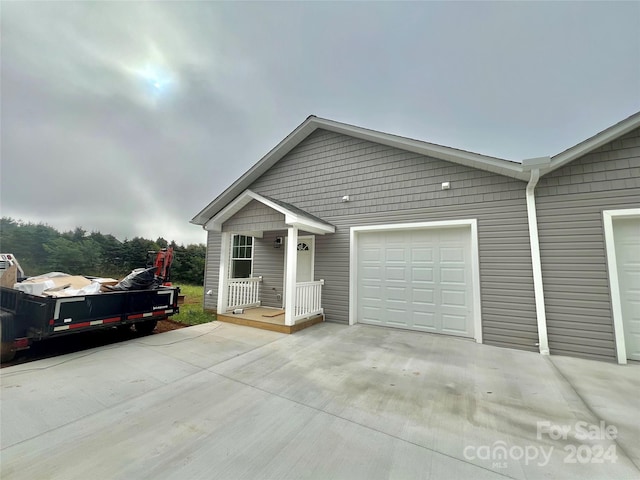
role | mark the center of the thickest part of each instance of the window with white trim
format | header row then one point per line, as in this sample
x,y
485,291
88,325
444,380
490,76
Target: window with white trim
x,y
242,257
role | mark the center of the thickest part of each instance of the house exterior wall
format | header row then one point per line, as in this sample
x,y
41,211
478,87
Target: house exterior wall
x,y
212,270
268,262
391,186
569,203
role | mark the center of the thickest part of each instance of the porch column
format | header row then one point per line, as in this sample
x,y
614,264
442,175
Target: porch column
x,y
290,275
223,273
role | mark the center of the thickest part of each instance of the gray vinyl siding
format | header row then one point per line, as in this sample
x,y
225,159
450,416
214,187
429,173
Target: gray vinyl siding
x,y
390,186
268,262
570,202
255,217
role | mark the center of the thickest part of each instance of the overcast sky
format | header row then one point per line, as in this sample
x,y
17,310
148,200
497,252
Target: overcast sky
x,y
128,118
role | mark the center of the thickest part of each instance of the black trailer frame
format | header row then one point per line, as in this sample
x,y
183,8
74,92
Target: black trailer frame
x,y
25,318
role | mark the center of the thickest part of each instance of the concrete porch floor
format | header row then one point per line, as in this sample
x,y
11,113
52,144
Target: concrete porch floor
x,y
268,318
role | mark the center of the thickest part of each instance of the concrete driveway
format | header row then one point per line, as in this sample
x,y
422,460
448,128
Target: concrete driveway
x,y
231,402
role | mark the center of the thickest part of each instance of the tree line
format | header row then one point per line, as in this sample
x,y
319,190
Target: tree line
x,y
41,248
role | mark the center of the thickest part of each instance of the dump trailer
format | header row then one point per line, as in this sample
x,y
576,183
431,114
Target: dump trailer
x,y
27,318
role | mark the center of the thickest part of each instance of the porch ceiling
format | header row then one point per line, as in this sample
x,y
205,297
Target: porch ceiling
x,y
293,216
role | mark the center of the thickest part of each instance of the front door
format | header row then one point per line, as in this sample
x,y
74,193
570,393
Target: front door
x,y
304,272
306,254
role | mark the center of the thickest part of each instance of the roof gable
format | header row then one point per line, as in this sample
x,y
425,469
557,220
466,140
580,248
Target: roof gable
x,y
594,142
292,215
312,123
518,170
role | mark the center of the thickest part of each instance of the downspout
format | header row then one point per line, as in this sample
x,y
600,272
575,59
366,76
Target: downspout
x,y
543,342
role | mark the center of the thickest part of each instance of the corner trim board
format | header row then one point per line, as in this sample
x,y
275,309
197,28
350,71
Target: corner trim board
x,y
614,286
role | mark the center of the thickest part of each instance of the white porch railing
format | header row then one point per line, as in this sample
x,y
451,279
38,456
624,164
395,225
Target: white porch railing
x,y
243,292
308,299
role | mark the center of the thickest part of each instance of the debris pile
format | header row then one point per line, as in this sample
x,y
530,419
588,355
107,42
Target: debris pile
x,y
58,284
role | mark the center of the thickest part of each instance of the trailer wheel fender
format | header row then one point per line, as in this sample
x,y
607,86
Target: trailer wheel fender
x,y
7,336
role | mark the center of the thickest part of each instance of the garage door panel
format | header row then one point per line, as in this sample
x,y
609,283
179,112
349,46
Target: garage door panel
x,y
425,321
397,317
454,298
422,274
455,325
396,294
371,254
421,255
453,275
395,273
371,293
372,314
371,272
423,280
452,254
395,255
423,296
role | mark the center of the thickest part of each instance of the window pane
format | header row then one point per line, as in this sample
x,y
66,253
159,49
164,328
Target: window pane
x,y
241,269
242,241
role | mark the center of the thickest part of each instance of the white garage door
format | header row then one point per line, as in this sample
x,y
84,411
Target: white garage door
x,y
416,279
626,234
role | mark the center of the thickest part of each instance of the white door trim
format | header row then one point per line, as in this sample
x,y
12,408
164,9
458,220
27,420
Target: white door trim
x,y
311,239
614,287
475,262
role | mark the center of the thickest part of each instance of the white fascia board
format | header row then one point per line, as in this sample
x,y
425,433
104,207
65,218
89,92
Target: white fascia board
x,y
308,225
594,142
214,224
470,159
537,163
303,223
264,164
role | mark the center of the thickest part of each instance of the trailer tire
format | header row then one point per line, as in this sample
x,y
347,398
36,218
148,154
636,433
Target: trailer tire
x,y
145,328
124,327
7,337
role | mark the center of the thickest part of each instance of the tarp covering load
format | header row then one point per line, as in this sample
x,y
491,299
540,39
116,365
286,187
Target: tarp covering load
x,y
138,279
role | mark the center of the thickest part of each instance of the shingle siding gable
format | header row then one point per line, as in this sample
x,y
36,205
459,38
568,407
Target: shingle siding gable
x,y
254,217
570,202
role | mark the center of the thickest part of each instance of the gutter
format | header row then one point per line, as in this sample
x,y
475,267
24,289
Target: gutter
x,y
543,342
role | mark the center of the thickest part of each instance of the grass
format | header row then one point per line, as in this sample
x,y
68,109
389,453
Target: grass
x,y
191,312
